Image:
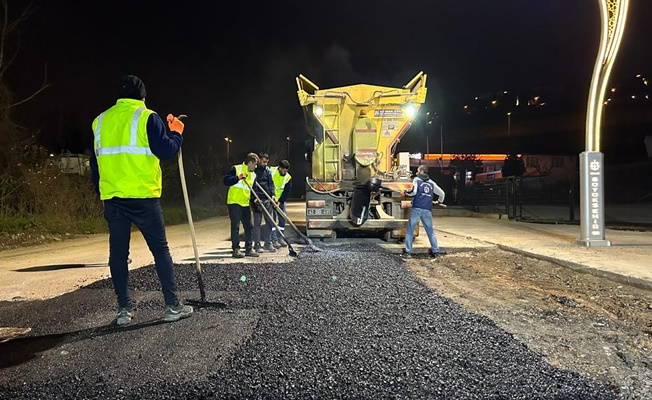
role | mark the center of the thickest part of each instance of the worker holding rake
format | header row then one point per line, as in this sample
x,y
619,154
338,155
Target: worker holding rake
x,y
129,142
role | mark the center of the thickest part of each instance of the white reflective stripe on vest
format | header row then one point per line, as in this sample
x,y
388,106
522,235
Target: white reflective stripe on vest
x,y
241,185
134,126
97,131
133,139
124,150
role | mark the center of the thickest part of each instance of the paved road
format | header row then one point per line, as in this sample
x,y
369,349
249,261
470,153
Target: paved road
x,y
290,324
50,270
46,271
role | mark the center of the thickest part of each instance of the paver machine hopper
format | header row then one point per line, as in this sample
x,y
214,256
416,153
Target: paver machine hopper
x,y
355,179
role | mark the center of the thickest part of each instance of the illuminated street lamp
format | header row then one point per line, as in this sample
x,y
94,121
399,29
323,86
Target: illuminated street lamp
x,y
428,123
441,142
288,139
509,124
613,14
228,142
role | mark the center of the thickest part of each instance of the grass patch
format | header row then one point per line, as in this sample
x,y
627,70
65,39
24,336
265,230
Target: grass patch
x,y
61,225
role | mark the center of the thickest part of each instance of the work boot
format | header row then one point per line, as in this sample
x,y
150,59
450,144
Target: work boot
x,y
269,247
237,254
124,317
437,254
276,244
175,313
282,242
258,248
405,255
252,253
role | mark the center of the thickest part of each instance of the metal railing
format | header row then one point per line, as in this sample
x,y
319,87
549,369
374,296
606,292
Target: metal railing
x,y
555,199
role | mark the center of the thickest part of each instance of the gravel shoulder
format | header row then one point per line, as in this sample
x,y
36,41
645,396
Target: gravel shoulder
x,y
577,322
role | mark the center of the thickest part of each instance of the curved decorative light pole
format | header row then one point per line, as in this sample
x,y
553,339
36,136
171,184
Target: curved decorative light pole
x,y
613,14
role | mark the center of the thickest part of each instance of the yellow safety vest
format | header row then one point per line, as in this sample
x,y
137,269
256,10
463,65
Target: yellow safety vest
x,y
240,192
126,164
279,181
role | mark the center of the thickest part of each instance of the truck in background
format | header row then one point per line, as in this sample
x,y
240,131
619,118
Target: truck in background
x,y
355,182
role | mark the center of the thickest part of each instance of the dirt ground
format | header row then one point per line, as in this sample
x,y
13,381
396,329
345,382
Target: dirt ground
x,y
579,322
30,238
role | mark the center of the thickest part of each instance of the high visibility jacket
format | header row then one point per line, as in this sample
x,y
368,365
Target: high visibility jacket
x,y
126,165
240,192
279,181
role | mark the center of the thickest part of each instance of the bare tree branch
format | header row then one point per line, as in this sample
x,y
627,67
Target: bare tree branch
x,y
44,86
9,27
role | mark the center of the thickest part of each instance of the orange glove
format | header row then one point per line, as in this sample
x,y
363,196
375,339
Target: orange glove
x,y
175,124
402,193
242,176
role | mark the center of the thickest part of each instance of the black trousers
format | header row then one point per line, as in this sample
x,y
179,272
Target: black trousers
x,y
239,214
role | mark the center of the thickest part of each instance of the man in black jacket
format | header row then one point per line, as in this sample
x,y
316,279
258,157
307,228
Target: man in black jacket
x,y
283,186
265,180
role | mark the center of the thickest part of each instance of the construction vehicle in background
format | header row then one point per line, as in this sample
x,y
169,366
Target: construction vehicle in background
x,y
355,181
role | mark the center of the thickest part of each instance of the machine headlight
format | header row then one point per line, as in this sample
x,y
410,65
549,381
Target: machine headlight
x,y
318,110
410,110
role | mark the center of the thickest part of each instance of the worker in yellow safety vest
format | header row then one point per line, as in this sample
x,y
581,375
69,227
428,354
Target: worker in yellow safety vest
x,y
129,142
283,186
240,180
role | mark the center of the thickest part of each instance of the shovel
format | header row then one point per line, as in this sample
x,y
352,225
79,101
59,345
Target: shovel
x,y
200,275
284,215
269,216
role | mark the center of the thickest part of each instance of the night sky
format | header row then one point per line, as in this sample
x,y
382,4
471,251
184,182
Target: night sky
x,y
231,66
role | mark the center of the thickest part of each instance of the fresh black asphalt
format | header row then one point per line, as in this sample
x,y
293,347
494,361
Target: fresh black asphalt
x,y
350,322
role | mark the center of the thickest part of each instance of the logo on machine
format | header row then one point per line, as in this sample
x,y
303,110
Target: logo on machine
x,y
388,113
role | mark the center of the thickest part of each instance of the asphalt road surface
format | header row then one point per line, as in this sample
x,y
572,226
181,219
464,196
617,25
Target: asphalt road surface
x,y
348,322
